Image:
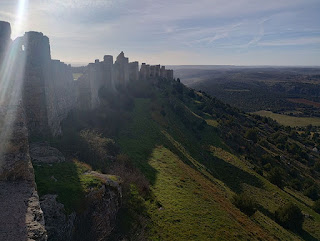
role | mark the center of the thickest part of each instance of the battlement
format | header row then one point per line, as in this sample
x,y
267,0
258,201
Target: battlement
x,y
154,71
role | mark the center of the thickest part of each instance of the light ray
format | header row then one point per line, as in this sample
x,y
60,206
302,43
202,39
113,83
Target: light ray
x,y
12,71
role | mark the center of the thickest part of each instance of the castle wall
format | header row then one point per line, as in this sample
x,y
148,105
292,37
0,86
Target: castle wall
x,y
5,37
121,70
133,71
49,91
60,95
48,87
37,70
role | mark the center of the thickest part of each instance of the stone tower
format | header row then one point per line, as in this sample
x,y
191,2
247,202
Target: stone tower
x,y
121,70
5,37
37,60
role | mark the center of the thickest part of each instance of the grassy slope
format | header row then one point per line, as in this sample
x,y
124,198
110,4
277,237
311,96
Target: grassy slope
x,y
68,180
192,207
197,204
290,120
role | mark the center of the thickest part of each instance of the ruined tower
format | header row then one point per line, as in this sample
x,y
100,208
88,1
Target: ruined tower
x,y
121,70
5,37
37,53
134,71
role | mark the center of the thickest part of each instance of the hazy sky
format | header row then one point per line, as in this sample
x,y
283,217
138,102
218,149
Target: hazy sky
x,y
240,32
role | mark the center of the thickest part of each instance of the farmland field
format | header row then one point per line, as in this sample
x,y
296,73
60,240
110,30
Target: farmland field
x,y
290,120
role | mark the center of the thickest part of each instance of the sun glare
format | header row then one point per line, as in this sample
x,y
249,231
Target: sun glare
x,y
12,70
20,19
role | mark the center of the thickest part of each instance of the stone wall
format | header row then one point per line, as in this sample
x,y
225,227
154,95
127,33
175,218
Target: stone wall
x,y
49,92
21,217
48,87
154,71
5,37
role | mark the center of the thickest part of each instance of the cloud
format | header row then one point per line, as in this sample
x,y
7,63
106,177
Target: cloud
x,y
291,42
81,30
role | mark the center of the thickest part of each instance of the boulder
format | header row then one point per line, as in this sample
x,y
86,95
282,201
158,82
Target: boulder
x,y
43,153
59,226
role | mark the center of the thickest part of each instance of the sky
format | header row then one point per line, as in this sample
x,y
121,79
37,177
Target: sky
x,y
174,32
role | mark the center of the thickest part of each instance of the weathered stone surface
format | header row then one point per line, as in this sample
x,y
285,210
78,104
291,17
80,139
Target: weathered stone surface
x,y
43,153
5,34
21,217
134,71
59,226
121,69
60,94
48,89
98,221
14,155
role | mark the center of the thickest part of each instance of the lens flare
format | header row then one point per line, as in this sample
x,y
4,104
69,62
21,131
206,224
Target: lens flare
x,y
12,71
20,20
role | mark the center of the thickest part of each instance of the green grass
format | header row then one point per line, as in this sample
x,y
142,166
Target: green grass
x,y
76,75
190,207
270,198
290,120
212,122
138,139
68,180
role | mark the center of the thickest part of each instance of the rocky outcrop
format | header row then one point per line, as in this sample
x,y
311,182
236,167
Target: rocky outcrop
x,y
59,226
43,153
99,219
21,217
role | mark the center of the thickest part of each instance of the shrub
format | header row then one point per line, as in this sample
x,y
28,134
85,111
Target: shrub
x,y
312,192
252,135
96,149
245,204
289,216
276,177
316,206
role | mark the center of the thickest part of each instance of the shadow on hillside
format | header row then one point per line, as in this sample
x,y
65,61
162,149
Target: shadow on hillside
x,y
231,175
297,199
307,236
303,234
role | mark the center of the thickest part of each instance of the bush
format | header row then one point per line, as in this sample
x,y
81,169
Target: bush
x,y
316,206
245,204
96,149
312,192
290,216
276,177
252,135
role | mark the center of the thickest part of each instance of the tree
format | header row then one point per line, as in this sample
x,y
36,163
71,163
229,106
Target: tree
x,y
245,204
252,135
276,177
290,216
316,206
312,192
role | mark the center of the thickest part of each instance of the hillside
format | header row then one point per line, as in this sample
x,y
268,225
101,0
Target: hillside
x,y
185,157
283,90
